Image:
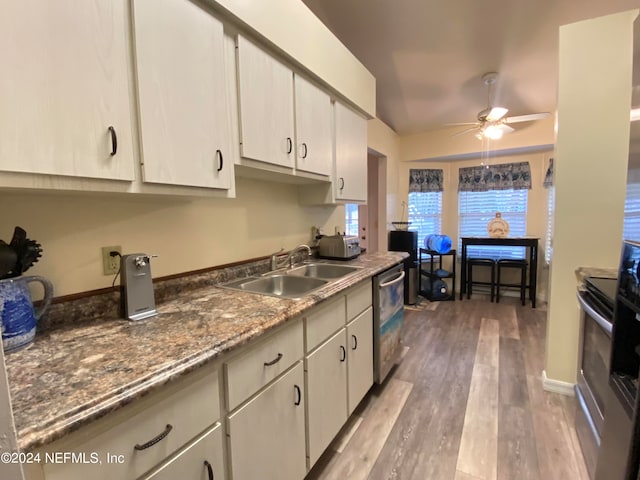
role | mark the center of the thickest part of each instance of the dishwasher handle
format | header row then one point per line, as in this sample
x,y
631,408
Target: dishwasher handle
x,y
391,282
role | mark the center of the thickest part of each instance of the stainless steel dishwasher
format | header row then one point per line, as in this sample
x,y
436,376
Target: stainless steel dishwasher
x,y
388,320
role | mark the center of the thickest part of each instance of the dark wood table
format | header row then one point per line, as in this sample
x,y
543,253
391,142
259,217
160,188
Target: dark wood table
x,y
530,242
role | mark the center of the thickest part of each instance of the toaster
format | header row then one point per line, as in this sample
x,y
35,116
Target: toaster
x,y
339,247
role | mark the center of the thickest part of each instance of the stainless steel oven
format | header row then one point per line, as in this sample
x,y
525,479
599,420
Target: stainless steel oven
x,y
596,317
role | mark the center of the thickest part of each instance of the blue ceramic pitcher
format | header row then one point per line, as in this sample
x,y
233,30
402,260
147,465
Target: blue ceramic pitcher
x,y
17,313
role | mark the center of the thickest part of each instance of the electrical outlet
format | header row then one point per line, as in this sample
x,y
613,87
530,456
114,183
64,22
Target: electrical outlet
x,y
110,265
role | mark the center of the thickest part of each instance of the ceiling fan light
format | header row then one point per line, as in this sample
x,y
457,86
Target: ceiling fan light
x,y
635,114
493,132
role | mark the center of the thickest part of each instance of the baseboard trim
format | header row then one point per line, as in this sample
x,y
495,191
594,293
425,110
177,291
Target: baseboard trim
x,y
557,386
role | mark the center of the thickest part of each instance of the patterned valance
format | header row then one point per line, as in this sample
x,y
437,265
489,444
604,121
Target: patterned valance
x,y
548,178
507,176
425,180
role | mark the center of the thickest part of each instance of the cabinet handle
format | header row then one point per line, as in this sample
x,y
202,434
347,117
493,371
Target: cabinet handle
x,y
209,469
341,183
343,351
274,361
305,150
114,140
155,440
219,155
298,395
355,342
289,145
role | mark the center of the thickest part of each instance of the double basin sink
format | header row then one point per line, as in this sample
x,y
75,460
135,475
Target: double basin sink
x,y
293,283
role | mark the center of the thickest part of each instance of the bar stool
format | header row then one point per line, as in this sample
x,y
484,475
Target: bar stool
x,y
480,262
510,263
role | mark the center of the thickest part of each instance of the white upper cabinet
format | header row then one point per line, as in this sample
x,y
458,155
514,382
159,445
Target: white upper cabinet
x,y
265,88
184,105
313,128
350,182
64,91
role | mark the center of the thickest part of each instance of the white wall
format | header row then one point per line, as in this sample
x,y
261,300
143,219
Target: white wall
x,y
187,234
594,94
384,141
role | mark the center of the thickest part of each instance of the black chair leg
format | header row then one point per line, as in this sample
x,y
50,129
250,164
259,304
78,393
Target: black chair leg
x,y
493,282
498,286
523,286
469,281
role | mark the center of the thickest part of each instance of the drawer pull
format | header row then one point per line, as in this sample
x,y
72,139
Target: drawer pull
x,y
355,342
298,395
343,351
209,469
274,361
221,164
114,140
155,440
289,145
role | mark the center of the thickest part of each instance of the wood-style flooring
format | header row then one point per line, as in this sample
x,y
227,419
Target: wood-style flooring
x,y
465,403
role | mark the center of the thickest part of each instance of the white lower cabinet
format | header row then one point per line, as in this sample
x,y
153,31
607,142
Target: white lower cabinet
x,y
326,381
200,460
267,435
136,439
360,357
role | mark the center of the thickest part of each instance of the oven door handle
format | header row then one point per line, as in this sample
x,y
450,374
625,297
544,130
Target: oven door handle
x,y
600,320
395,280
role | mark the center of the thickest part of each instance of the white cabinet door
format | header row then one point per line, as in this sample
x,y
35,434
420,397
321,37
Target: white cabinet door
x,y
313,128
202,459
360,347
64,82
184,111
266,106
326,393
266,436
351,155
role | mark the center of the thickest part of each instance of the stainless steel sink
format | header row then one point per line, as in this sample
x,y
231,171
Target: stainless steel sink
x,y
322,270
283,286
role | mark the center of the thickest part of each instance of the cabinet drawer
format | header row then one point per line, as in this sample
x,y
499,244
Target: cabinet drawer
x,y
188,408
190,462
358,300
324,321
250,371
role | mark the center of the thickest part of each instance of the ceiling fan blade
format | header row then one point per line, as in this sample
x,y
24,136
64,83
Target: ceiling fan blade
x,y
496,113
506,128
527,118
466,130
461,123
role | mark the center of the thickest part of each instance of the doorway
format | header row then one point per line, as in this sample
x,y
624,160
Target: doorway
x,y
372,217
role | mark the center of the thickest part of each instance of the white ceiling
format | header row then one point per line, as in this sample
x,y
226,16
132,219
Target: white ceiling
x,y
428,55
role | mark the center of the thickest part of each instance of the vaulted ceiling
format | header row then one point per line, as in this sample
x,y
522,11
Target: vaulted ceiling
x,y
428,56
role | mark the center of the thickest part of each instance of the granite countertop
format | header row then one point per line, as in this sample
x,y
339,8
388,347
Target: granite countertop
x,y
73,375
600,272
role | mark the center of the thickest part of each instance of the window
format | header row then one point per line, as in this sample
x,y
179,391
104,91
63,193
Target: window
x,y
425,213
631,230
477,209
548,246
351,219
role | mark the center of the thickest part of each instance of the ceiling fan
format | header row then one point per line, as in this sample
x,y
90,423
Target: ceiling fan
x,y
492,123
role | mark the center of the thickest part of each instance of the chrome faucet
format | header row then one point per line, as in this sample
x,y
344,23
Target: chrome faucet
x,y
288,260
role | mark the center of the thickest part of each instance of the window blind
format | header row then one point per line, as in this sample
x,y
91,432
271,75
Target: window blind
x,y
425,213
476,209
351,219
631,229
